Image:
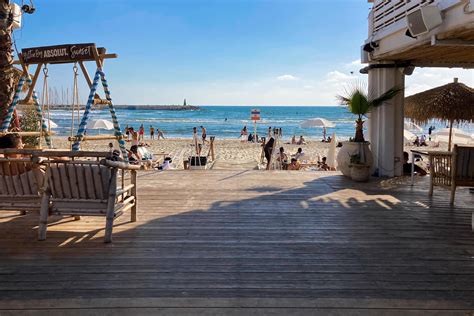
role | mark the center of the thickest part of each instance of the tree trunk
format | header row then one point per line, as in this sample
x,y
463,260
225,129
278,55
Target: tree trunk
x,y
359,134
6,60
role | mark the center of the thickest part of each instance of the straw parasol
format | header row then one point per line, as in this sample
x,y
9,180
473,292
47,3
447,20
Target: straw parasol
x,y
453,102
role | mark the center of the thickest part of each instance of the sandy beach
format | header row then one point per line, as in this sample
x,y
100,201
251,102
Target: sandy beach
x,y
230,153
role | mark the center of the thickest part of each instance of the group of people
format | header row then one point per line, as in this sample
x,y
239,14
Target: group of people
x,y
420,141
301,140
139,135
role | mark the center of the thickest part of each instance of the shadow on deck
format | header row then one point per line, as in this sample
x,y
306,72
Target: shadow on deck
x,y
270,242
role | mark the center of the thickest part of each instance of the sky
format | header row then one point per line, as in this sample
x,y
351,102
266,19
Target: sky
x,y
217,52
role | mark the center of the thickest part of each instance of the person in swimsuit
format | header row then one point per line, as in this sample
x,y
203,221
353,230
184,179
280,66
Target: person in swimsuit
x,y
203,134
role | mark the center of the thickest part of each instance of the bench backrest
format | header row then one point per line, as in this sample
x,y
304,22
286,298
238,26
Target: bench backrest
x,y
464,163
20,178
79,180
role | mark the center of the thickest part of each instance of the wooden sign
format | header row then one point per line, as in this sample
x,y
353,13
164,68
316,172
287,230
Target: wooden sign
x,y
255,115
59,53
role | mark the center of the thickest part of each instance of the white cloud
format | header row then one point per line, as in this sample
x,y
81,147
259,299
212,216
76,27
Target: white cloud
x,y
287,78
355,63
428,78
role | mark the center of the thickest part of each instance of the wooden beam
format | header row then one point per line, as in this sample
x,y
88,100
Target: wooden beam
x,y
85,73
33,84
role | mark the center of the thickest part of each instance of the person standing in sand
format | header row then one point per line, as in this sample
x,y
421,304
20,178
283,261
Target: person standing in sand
x,y
134,136
268,150
195,140
141,133
152,132
203,134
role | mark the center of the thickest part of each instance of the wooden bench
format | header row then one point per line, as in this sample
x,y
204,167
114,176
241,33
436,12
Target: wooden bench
x,y
21,184
452,169
88,188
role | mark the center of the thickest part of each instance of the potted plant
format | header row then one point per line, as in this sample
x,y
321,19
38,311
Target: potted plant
x,y
360,171
359,103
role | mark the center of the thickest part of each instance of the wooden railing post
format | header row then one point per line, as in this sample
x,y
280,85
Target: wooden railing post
x,y
133,175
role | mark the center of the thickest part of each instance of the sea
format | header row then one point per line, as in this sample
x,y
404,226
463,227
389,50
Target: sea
x,y
227,121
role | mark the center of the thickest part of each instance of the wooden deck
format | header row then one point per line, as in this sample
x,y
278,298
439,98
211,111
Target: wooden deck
x,y
250,242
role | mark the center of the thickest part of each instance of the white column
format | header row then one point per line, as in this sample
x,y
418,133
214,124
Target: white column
x,y
385,124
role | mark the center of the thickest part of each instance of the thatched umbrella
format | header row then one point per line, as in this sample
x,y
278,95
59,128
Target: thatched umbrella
x,y
453,102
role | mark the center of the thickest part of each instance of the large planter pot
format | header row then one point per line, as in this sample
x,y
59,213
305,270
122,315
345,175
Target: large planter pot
x,y
360,172
353,148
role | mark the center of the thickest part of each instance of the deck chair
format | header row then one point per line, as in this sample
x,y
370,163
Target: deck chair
x,y
88,188
21,184
452,169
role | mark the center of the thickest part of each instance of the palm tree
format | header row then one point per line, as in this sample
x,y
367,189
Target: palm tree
x,y
360,103
6,59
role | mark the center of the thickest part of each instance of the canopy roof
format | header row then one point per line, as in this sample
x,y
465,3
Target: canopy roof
x,y
453,102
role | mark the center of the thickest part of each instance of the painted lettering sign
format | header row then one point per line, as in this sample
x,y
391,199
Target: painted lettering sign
x,y
255,115
58,53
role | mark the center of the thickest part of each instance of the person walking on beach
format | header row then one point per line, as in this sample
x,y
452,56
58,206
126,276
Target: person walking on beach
x,y
268,150
152,132
203,134
269,134
160,134
141,133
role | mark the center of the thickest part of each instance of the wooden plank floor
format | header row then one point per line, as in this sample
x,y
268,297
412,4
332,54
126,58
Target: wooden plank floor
x,y
250,242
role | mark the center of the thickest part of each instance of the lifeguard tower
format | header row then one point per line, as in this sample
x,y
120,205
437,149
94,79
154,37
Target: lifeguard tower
x,y
404,34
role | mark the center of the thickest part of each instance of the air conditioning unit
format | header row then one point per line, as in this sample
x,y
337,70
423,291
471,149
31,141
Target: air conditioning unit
x,y
423,20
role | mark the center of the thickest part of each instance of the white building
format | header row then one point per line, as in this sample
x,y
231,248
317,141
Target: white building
x,y
404,34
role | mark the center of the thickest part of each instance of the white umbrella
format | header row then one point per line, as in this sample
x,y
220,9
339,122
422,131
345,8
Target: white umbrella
x,y
412,127
408,137
51,124
458,136
100,124
331,158
317,122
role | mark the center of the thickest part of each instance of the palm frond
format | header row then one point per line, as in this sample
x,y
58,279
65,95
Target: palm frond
x,y
388,95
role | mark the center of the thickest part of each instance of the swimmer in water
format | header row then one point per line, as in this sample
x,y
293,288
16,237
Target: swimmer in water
x,y
225,119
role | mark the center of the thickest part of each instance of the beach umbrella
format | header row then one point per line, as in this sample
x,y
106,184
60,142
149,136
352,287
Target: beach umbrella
x,y
51,124
100,124
408,137
331,157
457,136
412,126
453,102
318,122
